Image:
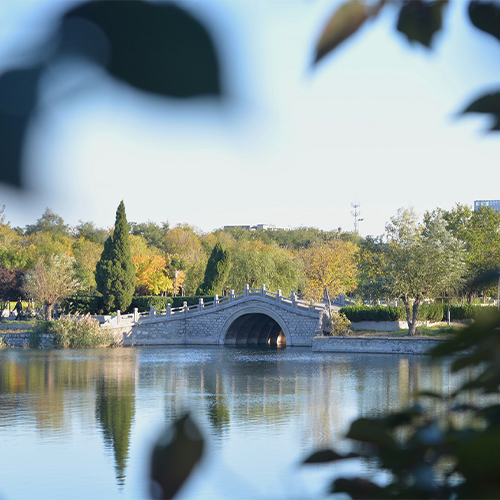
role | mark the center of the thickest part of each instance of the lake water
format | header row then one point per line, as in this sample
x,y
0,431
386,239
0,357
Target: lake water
x,y
81,423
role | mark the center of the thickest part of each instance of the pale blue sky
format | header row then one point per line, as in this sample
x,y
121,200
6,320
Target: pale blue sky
x,y
375,122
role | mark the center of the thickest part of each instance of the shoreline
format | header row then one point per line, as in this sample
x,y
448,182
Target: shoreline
x,y
376,344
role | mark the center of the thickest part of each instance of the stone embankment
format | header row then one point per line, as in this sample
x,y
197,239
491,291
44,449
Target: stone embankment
x,y
375,345
21,339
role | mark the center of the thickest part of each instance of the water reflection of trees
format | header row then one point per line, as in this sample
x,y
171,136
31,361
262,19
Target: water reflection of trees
x,y
115,409
50,387
223,387
326,391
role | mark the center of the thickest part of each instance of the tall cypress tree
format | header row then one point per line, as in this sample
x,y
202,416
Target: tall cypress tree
x,y
115,271
216,272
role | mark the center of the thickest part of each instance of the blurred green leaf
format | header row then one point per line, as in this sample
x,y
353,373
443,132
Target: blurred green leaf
x,y
487,104
324,456
420,20
154,47
478,455
174,456
371,431
344,22
491,413
400,418
485,16
357,487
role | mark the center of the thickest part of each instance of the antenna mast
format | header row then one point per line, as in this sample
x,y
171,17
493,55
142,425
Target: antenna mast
x,y
356,213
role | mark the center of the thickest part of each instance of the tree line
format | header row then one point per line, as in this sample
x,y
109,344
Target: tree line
x,y
445,253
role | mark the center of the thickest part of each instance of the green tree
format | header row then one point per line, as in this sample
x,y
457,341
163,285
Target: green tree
x,y
372,284
255,263
479,230
216,272
87,254
153,233
421,261
115,271
186,253
49,222
52,279
91,233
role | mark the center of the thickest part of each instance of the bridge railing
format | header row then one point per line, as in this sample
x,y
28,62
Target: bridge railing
x,y
293,302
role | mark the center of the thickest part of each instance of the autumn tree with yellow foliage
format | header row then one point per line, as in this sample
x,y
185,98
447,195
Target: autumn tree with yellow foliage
x,y
329,270
150,274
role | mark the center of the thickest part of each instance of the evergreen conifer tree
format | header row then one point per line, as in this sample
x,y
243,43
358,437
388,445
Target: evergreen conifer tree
x,y
216,272
115,272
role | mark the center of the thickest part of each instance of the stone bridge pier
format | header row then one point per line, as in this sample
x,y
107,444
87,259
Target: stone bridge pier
x,y
251,317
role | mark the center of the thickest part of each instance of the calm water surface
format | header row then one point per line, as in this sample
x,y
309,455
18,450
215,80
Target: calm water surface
x,y
80,423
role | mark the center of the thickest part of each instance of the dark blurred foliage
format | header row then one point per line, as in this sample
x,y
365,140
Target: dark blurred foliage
x,y
419,21
452,453
157,48
174,456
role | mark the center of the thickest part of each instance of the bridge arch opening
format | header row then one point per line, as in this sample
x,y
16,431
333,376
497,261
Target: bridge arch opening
x,y
255,329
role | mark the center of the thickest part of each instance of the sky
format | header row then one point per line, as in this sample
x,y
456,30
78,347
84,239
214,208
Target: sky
x,y
376,124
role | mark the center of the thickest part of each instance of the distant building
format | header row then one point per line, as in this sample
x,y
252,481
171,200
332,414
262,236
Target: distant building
x,y
267,227
495,204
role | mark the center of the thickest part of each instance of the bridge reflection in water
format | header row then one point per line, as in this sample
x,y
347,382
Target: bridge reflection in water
x,y
255,329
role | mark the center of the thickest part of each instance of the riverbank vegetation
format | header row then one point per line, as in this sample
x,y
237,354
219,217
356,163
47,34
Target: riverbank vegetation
x,y
71,332
420,265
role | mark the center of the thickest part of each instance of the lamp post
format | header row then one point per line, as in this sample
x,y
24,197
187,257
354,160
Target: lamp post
x,y
176,273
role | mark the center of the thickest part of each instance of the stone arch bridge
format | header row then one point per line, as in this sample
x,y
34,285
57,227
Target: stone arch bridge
x,y
250,317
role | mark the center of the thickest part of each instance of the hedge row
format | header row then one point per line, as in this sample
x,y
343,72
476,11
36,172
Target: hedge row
x,y
92,304
376,313
82,304
144,302
426,312
468,311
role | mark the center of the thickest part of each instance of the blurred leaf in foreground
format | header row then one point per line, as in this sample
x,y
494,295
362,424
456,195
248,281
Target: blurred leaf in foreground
x,y
487,104
174,457
155,47
344,22
486,17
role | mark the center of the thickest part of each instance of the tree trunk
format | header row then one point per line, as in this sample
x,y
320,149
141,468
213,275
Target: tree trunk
x,y
413,329
48,311
411,315
329,302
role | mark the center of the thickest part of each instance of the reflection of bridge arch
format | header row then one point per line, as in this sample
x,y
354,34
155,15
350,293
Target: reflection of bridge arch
x,y
254,326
